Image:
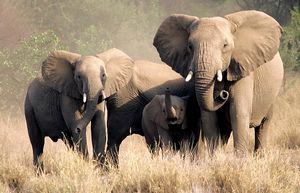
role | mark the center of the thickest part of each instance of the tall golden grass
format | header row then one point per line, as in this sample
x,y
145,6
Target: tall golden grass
x,y
277,169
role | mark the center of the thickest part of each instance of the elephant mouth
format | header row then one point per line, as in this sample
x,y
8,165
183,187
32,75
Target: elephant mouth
x,y
175,127
172,121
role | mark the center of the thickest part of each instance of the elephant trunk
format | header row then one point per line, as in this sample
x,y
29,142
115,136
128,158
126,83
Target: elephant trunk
x,y
91,104
87,114
171,114
204,87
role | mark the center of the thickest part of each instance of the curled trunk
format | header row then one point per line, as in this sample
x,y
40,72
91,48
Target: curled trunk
x,y
204,87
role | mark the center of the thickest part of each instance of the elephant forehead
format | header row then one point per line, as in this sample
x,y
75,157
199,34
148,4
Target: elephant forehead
x,y
178,101
212,22
211,26
89,63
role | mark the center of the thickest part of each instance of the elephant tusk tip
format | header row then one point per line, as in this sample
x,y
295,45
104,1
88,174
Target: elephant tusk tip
x,y
103,94
84,97
189,76
219,76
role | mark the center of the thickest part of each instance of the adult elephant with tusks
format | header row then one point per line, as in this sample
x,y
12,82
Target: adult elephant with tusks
x,y
69,95
235,66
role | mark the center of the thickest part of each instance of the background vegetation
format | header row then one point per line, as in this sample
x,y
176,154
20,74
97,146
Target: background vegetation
x,y
30,29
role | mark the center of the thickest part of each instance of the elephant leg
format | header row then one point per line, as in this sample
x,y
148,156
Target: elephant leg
x,y
36,138
165,139
99,132
262,130
117,132
225,135
210,129
225,132
224,123
67,139
113,148
240,112
83,144
184,144
151,136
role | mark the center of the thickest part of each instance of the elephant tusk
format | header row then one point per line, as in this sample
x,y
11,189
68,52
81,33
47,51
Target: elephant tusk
x,y
84,97
189,76
219,76
103,94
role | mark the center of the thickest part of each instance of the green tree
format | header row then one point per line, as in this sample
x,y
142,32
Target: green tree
x,y
290,44
18,67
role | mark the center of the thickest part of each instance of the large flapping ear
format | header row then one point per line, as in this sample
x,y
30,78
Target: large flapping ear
x,y
171,40
57,71
119,67
256,41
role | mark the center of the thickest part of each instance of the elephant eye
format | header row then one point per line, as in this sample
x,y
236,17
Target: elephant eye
x,y
225,44
78,77
181,109
164,110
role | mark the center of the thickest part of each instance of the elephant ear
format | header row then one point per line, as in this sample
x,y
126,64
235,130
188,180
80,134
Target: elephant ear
x,y
57,71
119,67
171,40
256,41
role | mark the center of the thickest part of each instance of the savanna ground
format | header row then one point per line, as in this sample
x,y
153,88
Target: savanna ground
x,y
30,29
277,169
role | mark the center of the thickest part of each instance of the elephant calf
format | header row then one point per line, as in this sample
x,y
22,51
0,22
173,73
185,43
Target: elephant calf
x,y
163,122
69,95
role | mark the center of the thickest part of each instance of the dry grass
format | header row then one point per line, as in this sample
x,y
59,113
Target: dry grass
x,y
275,170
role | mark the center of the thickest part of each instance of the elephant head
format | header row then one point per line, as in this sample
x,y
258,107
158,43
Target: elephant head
x,y
87,78
175,108
209,48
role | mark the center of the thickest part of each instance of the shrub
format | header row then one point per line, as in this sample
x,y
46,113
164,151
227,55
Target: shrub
x,y
21,65
90,43
290,44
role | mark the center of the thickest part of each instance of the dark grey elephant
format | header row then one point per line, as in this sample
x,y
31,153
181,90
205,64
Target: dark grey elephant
x,y
69,95
125,107
164,122
236,69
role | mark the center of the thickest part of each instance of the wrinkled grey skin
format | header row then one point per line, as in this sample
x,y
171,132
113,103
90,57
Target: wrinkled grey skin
x,y
126,106
243,47
164,123
54,105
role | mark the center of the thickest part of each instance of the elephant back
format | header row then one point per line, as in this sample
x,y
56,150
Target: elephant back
x,y
154,78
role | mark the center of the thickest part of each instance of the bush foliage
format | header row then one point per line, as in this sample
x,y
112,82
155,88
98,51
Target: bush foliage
x,y
21,65
290,44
